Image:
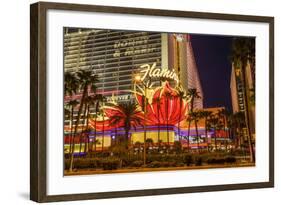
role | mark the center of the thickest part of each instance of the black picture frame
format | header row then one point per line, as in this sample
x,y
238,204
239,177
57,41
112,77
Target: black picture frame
x,y
38,102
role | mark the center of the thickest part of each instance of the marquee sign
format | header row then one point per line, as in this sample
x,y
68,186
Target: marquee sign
x,y
135,46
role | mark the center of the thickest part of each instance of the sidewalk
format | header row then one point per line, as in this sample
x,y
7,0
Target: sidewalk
x,y
132,170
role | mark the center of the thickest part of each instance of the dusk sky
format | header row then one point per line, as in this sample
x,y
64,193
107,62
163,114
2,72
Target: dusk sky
x,y
212,58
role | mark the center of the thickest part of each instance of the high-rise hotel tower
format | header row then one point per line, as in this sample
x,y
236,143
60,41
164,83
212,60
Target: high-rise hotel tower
x,y
116,56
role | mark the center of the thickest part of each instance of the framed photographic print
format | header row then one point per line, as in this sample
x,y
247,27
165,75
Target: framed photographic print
x,y
135,102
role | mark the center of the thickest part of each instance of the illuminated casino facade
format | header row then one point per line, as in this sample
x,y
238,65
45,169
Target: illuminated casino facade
x,y
117,57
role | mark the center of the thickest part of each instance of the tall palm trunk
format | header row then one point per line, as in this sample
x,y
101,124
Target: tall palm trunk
x,y
82,129
76,126
127,137
158,114
188,133
87,141
116,132
206,134
179,122
189,123
71,130
95,149
167,124
96,115
102,145
197,136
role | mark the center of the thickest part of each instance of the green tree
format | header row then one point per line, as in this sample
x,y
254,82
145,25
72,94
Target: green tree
x,y
70,88
192,94
196,116
215,124
71,84
72,104
87,80
158,102
182,96
206,115
167,97
90,102
98,99
128,114
223,115
238,124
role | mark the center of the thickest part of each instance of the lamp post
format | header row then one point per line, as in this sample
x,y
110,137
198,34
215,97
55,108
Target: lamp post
x,y
138,80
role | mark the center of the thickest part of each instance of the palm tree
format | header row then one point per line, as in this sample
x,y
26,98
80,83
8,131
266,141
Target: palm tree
x,y
216,124
70,88
84,121
223,115
167,96
115,123
206,115
158,101
72,104
181,96
239,123
196,116
87,81
95,142
230,125
90,102
192,94
98,98
102,140
102,100
70,83
243,52
129,114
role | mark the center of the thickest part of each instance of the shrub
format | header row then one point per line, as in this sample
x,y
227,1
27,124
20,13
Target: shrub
x,y
188,160
216,161
129,160
81,163
66,164
94,163
165,164
230,159
198,161
137,163
110,163
180,164
173,164
154,164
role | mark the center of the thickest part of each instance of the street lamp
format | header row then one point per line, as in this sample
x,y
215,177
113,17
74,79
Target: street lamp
x,y
138,80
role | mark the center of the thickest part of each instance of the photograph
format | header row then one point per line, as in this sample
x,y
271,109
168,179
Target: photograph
x,y
148,101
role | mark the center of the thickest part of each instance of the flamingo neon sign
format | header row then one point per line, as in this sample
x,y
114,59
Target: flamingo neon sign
x,y
152,71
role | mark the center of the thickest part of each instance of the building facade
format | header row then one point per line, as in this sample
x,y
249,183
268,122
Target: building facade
x,y
116,56
237,93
